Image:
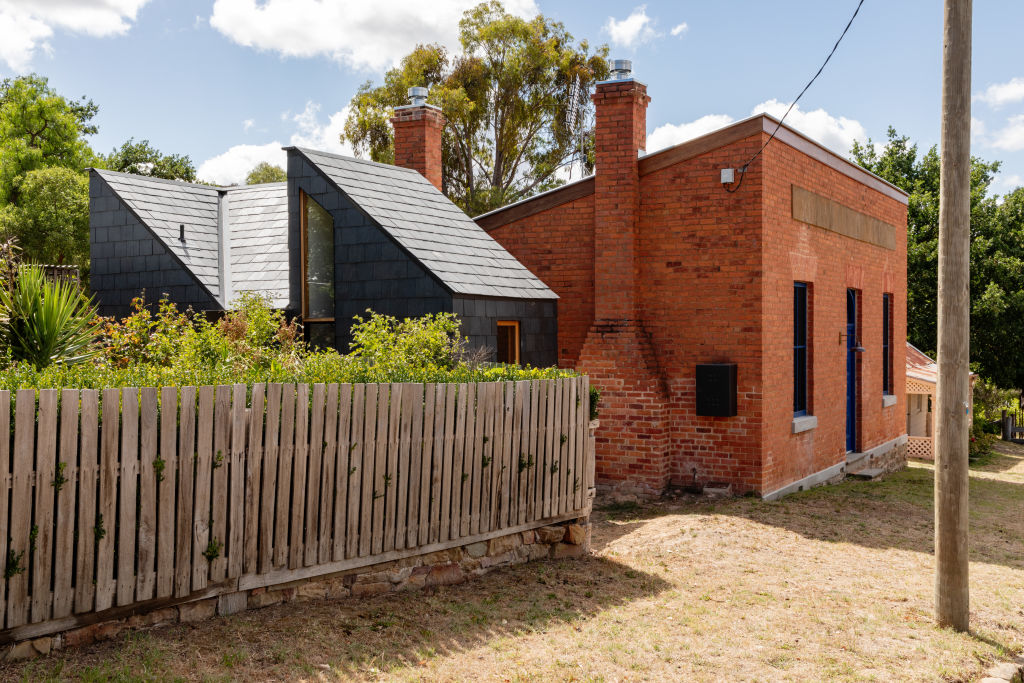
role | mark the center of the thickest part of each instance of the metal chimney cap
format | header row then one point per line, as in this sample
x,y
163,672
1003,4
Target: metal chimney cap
x,y
622,69
417,96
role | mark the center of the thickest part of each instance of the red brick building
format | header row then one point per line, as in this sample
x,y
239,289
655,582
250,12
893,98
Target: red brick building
x,y
795,272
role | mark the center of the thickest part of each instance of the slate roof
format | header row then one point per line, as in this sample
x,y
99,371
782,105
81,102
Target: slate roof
x,y
163,205
257,218
406,205
430,227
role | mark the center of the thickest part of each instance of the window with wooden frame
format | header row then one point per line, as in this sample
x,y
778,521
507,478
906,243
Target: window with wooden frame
x,y
508,342
800,326
887,345
317,236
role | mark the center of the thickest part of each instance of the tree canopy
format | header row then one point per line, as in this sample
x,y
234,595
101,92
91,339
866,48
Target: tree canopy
x,y
51,219
142,158
40,128
516,104
264,172
997,256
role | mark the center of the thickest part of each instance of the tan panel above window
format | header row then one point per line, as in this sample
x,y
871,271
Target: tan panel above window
x,y
823,212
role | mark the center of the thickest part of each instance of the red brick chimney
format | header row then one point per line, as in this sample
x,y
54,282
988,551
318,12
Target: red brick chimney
x,y
621,112
633,448
418,127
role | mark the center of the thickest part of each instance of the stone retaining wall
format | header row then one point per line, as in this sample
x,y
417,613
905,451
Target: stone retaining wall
x,y
440,568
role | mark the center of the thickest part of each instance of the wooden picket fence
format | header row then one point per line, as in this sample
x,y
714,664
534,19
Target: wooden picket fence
x,y
154,496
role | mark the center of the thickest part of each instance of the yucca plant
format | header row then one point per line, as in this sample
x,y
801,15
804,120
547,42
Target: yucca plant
x,y
45,322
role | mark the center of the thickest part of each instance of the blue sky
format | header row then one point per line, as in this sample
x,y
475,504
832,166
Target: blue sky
x,y
228,82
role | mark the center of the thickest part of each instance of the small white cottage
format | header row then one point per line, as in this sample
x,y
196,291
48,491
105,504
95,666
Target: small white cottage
x,y
922,377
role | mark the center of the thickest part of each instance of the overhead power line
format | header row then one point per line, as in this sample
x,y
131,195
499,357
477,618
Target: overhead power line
x,y
743,168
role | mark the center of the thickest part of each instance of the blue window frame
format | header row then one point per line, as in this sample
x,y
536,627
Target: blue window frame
x,y
799,349
887,344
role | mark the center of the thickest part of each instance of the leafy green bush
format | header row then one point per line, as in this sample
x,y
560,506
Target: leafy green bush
x,y
166,347
44,322
981,441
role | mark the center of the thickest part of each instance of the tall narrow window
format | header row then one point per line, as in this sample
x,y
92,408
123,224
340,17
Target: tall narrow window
x,y
317,262
887,344
508,342
799,349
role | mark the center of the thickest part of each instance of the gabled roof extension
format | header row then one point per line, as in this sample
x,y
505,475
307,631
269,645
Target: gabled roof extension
x,y
436,232
257,227
164,205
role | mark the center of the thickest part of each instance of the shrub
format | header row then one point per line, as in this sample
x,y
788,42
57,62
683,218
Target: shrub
x,y
46,322
161,346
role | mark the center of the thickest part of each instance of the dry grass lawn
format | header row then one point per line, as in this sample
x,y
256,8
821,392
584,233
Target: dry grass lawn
x,y
831,584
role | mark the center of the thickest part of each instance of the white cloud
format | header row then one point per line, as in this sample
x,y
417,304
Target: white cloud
x,y
27,25
998,94
671,134
310,132
835,133
248,124
680,29
361,34
1003,183
634,30
232,166
1010,137
977,129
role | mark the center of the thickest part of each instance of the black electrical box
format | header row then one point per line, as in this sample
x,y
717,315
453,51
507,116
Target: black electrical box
x,y
716,389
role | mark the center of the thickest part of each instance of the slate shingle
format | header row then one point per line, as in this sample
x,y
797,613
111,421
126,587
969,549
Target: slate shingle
x,y
433,229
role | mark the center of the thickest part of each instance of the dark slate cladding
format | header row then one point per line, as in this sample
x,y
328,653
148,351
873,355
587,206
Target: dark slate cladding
x,y
432,229
538,326
126,259
371,270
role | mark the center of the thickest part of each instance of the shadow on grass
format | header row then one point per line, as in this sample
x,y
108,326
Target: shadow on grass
x,y
1005,456
897,512
354,637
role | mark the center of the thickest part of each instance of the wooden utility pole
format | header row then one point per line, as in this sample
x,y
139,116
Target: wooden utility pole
x,y
952,426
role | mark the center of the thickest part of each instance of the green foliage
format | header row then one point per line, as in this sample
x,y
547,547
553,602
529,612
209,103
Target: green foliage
x,y
386,344
990,400
40,128
99,531
13,567
213,549
161,346
59,479
141,158
981,440
506,99
595,402
159,465
10,259
266,173
46,322
997,256
51,219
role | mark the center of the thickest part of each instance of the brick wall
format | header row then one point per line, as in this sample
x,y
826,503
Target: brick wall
x,y
714,283
558,247
831,263
701,267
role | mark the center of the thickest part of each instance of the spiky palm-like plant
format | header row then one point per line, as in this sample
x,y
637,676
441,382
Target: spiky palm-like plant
x,y
45,322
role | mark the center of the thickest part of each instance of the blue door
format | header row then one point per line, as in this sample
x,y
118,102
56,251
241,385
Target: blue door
x,y
851,370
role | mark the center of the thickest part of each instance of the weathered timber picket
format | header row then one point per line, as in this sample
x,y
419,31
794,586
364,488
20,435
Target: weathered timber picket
x,y
141,497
